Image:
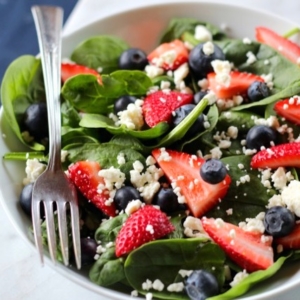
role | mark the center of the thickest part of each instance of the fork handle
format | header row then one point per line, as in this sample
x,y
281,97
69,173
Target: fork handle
x,y
48,22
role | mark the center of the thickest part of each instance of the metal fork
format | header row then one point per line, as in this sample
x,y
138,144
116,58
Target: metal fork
x,y
52,188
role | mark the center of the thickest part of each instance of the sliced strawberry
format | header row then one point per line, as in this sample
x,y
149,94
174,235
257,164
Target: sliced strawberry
x,y
69,70
169,56
85,176
283,155
183,170
145,225
239,83
290,241
245,248
286,47
289,109
158,106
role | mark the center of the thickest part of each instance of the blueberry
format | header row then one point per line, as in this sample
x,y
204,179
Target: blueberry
x,y
88,250
179,115
258,90
25,198
200,63
167,200
213,171
36,121
124,195
261,136
198,96
279,221
133,59
122,103
201,285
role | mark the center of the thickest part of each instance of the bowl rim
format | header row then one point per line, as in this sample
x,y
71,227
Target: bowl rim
x,y
103,291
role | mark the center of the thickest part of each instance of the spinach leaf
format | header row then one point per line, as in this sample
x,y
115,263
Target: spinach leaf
x,y
163,259
268,61
100,52
193,145
21,86
250,280
108,269
77,135
106,155
127,141
178,26
100,121
181,129
108,229
287,92
245,199
87,95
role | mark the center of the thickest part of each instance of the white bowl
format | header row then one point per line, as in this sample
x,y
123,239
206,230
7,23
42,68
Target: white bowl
x,y
142,27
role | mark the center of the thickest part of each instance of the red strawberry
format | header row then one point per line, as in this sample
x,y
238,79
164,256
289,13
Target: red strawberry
x,y
283,155
289,109
68,70
145,225
85,176
286,47
245,248
239,83
158,106
183,170
169,56
290,241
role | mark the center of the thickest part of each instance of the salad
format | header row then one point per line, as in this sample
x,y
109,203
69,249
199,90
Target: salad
x,y
186,159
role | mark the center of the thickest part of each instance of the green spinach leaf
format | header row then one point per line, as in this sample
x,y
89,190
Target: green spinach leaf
x,y
100,52
163,259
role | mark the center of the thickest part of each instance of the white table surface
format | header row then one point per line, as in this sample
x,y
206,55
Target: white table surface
x,y
21,275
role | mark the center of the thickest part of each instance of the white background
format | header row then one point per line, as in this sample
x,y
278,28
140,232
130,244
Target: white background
x,y
21,276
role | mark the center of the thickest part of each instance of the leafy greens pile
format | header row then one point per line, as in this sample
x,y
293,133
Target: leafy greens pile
x,y
94,136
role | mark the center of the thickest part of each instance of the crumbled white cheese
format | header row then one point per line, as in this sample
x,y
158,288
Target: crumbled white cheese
x,y
185,273
33,170
222,68
121,158
147,183
254,224
133,206
132,117
153,71
291,196
208,48
240,276
202,34
193,228
176,287
247,41
158,285
179,74
251,58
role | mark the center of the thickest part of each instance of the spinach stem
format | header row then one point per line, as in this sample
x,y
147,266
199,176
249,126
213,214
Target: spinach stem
x,y
291,32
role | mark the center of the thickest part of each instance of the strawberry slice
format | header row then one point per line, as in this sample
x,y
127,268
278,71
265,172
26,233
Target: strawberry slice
x,y
286,47
158,106
283,155
169,56
239,83
84,174
183,170
145,225
289,109
290,241
245,248
69,70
